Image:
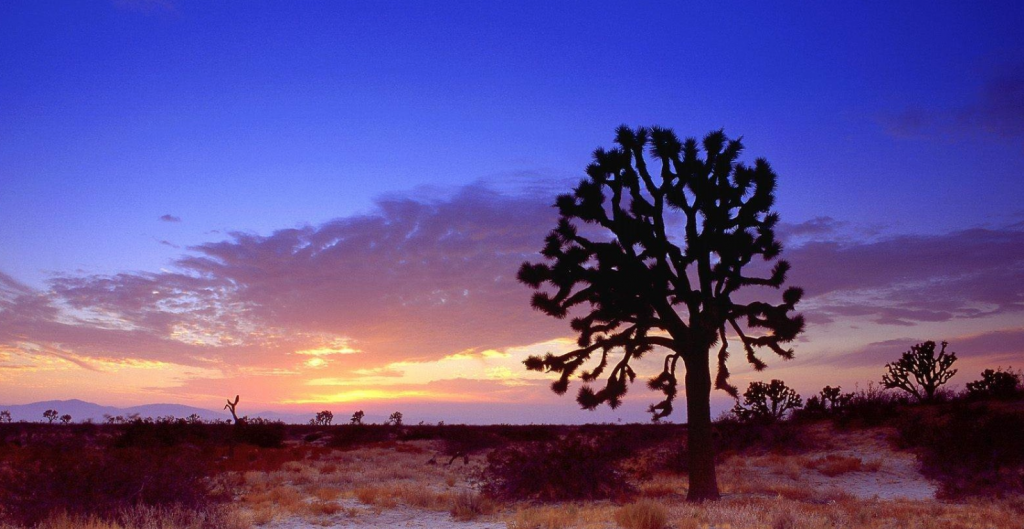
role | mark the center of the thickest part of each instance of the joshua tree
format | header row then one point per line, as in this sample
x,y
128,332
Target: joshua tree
x,y
996,384
357,418
65,419
50,415
194,419
919,371
830,400
395,419
650,258
230,406
5,416
322,418
767,401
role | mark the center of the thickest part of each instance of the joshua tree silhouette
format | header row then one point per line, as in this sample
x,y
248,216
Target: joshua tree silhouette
x,y
230,406
655,257
920,371
767,401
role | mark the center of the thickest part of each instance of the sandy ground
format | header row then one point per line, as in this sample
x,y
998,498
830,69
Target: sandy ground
x,y
887,475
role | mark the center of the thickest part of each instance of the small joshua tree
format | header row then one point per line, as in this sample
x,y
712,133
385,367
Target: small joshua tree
x,y
65,419
194,419
50,415
357,418
322,418
395,419
230,406
998,384
768,402
5,416
830,399
920,371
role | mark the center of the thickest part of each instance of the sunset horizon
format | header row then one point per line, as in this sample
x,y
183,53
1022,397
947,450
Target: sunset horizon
x,y
328,209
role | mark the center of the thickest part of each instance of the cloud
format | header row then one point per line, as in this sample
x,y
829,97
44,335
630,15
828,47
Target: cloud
x,y
905,279
417,280
170,218
997,110
423,290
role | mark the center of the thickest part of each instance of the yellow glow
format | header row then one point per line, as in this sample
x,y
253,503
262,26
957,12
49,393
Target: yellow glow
x,y
328,350
363,395
316,362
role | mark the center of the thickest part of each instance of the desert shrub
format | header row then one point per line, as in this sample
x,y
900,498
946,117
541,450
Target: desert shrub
x,y
996,384
573,468
833,465
352,436
971,449
873,406
261,433
733,435
43,480
142,434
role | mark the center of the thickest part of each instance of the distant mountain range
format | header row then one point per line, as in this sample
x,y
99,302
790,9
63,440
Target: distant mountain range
x,y
81,411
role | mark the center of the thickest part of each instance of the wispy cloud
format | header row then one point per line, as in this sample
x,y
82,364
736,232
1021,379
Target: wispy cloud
x,y
170,218
419,296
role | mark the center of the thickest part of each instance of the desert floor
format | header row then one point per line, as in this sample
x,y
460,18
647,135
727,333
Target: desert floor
x,y
851,479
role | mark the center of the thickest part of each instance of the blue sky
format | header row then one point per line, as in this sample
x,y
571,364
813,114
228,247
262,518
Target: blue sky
x,y
890,118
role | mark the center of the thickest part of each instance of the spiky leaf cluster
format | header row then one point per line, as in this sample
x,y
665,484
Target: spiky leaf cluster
x,y
920,371
650,257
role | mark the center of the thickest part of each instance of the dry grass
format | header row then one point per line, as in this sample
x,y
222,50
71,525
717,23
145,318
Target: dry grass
x,y
833,465
770,491
468,506
644,514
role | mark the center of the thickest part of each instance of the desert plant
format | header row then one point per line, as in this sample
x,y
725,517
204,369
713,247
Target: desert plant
x,y
997,384
5,416
322,418
65,419
231,407
50,415
642,290
395,419
767,402
357,418
920,371
573,468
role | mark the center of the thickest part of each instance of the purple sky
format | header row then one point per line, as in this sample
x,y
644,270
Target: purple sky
x,y
326,206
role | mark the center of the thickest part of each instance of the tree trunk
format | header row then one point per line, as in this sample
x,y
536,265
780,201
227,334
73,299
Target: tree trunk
x,y
700,442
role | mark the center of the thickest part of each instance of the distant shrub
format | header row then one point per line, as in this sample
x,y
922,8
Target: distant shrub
x,y
997,384
873,406
574,468
733,435
260,432
353,436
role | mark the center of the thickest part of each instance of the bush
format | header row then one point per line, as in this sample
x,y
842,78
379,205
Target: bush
x,y
998,384
574,468
261,433
732,435
41,481
352,436
873,406
972,449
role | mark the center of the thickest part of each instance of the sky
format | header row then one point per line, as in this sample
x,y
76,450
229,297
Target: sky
x,y
323,205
